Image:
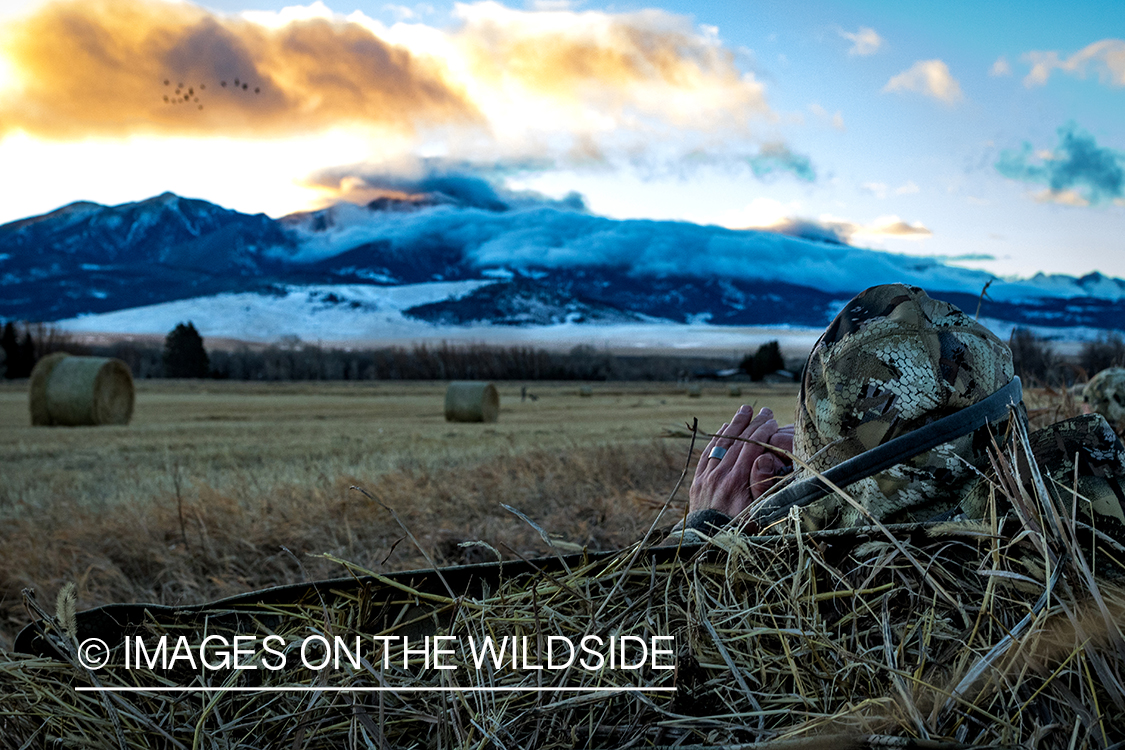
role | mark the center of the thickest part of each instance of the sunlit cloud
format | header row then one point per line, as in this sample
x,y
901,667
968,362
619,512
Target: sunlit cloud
x,y
784,218
645,90
928,77
644,70
865,41
1105,57
1078,172
127,67
1061,197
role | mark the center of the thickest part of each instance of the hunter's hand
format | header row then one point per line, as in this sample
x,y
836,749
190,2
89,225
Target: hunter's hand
x,y
729,484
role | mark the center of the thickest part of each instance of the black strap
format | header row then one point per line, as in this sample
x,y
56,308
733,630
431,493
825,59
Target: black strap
x,y
799,494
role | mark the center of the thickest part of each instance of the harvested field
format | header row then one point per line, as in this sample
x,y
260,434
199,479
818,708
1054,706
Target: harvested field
x,y
939,636
217,488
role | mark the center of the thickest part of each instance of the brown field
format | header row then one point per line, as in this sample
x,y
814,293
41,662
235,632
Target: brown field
x,y
222,487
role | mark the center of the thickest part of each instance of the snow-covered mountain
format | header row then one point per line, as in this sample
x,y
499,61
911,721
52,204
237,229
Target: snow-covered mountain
x,y
459,262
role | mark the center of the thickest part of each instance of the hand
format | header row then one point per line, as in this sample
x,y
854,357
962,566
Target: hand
x,y
747,470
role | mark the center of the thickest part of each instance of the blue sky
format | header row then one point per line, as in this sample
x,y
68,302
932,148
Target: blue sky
x,y
972,130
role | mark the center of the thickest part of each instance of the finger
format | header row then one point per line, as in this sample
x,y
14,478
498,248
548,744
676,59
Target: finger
x,y
782,440
704,462
744,420
766,470
760,431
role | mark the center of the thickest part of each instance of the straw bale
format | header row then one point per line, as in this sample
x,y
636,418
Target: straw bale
x,y
694,390
585,391
78,391
37,388
471,401
734,391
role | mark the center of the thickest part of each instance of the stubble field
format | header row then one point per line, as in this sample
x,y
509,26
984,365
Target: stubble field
x,y
221,487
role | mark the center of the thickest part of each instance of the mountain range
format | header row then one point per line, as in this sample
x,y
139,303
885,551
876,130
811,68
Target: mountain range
x,y
446,261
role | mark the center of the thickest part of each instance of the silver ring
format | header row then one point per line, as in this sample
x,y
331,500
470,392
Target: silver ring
x,y
717,452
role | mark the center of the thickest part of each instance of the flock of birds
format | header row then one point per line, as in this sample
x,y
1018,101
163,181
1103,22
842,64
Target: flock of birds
x,y
189,95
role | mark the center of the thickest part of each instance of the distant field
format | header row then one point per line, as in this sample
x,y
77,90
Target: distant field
x,y
231,434
200,494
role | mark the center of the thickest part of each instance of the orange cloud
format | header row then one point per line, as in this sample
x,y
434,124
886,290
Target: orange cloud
x,y
123,67
614,68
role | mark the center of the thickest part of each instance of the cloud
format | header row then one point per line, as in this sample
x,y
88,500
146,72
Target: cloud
x,y
1077,173
99,67
1107,57
1061,197
864,42
441,182
1000,67
776,157
929,77
599,70
908,188
546,237
643,90
836,230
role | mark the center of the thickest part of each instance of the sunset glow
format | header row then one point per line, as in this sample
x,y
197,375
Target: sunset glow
x,y
902,132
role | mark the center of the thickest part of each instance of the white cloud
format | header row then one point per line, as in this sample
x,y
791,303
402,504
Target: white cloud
x,y
929,77
908,188
1000,67
1107,57
864,42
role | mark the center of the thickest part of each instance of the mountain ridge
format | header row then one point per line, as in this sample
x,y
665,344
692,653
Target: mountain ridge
x,y
538,264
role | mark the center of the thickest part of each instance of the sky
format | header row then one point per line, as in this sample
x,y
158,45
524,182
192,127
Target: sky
x,y
978,132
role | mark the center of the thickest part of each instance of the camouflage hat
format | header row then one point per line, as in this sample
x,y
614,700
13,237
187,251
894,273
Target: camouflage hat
x,y
1105,395
893,361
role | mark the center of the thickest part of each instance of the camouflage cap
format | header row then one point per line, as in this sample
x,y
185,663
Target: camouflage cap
x,y
892,361
1105,395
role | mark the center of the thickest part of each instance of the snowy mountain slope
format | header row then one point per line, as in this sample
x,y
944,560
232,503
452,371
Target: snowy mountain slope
x,y
325,312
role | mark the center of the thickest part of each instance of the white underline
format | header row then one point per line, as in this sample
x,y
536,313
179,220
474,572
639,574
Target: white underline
x,y
304,689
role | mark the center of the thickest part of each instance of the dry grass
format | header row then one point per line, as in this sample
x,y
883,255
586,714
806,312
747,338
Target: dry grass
x,y
219,488
990,634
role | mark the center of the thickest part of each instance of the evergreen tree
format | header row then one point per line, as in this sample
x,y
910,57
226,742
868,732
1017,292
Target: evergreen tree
x,y
764,361
8,345
19,353
184,355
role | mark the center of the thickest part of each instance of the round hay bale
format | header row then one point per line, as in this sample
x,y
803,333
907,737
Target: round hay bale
x,y
585,391
735,391
37,388
78,391
694,390
471,401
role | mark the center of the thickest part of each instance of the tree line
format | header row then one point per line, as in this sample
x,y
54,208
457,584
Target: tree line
x,y
183,355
